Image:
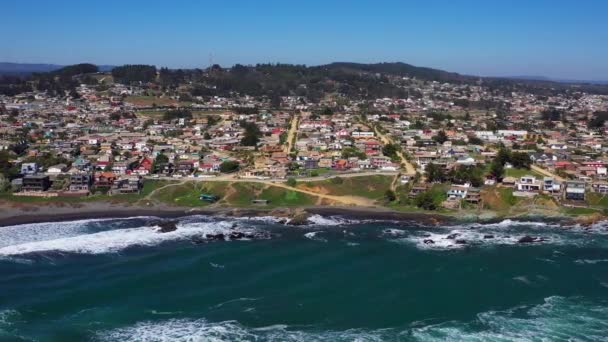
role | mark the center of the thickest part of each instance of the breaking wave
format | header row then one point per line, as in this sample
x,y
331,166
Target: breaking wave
x,y
506,232
75,239
558,318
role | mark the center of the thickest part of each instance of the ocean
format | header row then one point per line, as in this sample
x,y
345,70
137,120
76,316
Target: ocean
x,y
334,279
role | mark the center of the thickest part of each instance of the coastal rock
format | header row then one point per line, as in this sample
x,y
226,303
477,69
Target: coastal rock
x,y
453,236
299,219
528,239
428,241
488,236
461,242
588,220
218,236
166,226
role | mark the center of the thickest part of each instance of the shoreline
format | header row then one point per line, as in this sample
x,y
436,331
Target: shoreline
x,y
11,215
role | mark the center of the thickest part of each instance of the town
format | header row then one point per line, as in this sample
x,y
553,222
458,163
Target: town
x,y
416,143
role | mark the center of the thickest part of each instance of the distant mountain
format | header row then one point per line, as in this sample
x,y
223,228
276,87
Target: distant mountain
x,y
550,79
28,68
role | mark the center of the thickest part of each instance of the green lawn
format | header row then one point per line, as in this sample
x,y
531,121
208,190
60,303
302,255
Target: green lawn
x,y
372,187
284,197
517,173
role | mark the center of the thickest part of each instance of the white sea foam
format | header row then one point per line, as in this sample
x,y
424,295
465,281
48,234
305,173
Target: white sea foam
x,y
8,316
117,240
202,330
319,220
314,236
590,261
557,319
13,235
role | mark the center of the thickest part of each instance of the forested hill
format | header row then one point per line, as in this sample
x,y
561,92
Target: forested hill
x,y
402,69
353,80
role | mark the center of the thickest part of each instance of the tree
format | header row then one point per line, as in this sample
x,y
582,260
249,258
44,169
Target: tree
x,y
390,150
252,134
521,160
425,200
390,195
503,156
473,140
598,120
207,136
497,170
291,182
159,162
441,137
434,173
177,114
229,166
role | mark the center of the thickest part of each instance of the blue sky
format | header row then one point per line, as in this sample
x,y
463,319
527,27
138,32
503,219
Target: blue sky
x,y
556,38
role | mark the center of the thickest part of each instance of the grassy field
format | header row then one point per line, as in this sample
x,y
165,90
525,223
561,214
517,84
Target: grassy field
x,y
517,173
157,114
372,187
238,194
147,101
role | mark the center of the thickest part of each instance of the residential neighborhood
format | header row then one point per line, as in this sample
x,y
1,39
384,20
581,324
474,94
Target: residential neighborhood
x,y
109,137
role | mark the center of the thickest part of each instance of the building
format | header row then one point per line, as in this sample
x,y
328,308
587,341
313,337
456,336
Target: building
x,y
29,168
575,191
35,183
80,182
528,184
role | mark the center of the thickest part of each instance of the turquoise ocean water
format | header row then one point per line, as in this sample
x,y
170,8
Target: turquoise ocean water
x,y
332,280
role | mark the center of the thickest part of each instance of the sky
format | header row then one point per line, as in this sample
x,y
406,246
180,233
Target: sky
x,y
563,39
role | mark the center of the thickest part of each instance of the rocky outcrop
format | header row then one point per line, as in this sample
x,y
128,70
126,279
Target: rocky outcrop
x,y
299,219
166,226
531,239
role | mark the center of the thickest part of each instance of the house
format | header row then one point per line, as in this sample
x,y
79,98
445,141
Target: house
x,y
528,184
144,167
473,196
35,183
29,168
80,182
104,178
575,190
599,187
57,169
417,189
457,192
126,185
551,185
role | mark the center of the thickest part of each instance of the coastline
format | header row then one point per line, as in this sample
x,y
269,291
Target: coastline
x,y
16,215
11,214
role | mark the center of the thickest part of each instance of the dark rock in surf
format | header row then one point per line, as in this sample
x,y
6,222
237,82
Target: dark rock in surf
x,y
428,241
489,236
218,236
453,236
461,242
166,226
528,239
300,219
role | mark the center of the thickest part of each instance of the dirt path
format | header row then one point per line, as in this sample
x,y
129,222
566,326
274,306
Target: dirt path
x,y
149,196
409,168
292,131
345,200
546,172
